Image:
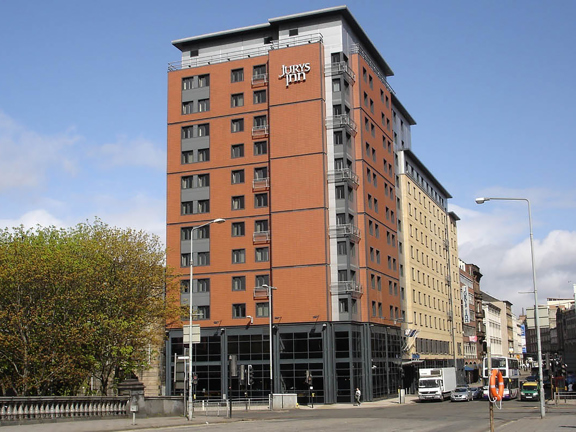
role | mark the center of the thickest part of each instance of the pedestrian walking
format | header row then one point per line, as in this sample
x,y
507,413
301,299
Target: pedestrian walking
x,y
357,396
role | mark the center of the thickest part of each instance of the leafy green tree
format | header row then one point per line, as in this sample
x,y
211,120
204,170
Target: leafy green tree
x,y
77,302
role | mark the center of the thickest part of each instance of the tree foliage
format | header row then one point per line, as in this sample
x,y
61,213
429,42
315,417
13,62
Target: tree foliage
x,y
77,302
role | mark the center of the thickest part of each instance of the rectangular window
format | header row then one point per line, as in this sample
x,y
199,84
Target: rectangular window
x,y
260,173
185,260
187,107
202,232
260,148
203,130
202,312
259,71
261,200
203,180
260,121
237,125
202,259
202,286
380,310
203,155
293,32
237,176
340,192
203,105
187,83
259,96
203,206
338,138
237,100
237,151
261,280
262,310
187,132
238,229
261,225
187,157
239,310
203,80
187,182
262,254
238,256
187,207
238,202
343,305
239,283
336,85
342,248
237,75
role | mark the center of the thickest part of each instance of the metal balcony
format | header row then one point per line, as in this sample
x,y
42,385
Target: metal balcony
x,y
261,237
342,120
339,69
259,79
260,292
346,230
260,131
344,175
261,184
347,288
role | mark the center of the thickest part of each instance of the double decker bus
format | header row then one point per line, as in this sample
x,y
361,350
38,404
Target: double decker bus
x,y
510,368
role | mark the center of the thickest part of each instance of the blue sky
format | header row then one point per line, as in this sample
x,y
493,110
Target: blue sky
x,y
490,84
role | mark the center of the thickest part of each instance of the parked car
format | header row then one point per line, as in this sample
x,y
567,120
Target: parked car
x,y
461,394
476,392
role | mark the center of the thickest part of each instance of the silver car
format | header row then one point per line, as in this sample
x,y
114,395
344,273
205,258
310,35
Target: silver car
x,y
461,394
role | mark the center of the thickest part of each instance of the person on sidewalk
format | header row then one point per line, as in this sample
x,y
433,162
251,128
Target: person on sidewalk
x,y
357,395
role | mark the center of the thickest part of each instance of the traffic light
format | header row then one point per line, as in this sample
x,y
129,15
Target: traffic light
x,y
194,379
250,375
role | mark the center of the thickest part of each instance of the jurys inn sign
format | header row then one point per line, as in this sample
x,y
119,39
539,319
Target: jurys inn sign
x,y
295,73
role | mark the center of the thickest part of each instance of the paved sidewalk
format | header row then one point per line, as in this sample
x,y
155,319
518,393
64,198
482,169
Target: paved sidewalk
x,y
558,418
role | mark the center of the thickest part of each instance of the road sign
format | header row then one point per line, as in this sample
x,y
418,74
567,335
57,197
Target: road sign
x,y
195,334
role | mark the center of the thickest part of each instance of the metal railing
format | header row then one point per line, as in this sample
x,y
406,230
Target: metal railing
x,y
346,230
261,183
47,407
340,68
260,131
566,396
204,60
259,79
221,408
342,120
346,287
261,237
344,174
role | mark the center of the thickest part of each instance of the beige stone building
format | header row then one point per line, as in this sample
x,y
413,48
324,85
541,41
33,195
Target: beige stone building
x,y
429,262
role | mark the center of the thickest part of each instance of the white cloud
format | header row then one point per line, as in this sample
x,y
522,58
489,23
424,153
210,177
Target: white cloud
x,y
133,152
32,218
28,155
498,242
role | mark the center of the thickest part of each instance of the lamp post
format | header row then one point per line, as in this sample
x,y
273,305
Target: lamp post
x,y
536,318
191,310
270,315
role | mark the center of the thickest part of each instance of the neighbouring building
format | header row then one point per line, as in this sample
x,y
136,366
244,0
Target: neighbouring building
x,y
290,131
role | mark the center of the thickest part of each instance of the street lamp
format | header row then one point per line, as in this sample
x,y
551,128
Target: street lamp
x,y
191,307
270,315
536,318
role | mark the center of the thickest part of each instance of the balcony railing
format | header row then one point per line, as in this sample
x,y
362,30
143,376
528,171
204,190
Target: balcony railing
x,y
260,131
342,120
261,183
340,68
346,230
344,174
346,288
260,292
261,237
241,53
259,79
